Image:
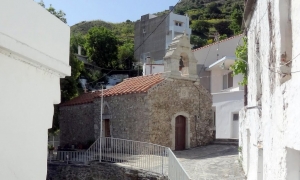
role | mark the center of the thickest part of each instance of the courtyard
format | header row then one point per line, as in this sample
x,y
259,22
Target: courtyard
x,y
212,162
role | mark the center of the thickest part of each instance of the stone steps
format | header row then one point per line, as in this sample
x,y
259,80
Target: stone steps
x,y
226,142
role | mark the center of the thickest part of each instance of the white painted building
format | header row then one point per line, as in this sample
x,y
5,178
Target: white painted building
x,y
153,35
152,69
33,58
177,24
213,64
269,124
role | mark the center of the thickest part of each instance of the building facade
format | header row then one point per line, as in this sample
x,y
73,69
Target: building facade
x,y
269,126
33,58
213,68
213,62
171,109
153,48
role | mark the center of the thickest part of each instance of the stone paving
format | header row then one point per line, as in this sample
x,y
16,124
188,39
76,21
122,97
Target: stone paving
x,y
212,162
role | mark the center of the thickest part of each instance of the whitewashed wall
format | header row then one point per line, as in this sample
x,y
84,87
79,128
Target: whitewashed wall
x,y
152,69
270,137
207,55
34,54
225,129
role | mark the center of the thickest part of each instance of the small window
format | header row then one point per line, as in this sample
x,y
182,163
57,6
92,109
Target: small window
x,y
227,81
178,23
236,117
230,80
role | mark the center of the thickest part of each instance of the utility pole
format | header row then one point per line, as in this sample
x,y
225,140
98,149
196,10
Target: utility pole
x,y
100,155
216,37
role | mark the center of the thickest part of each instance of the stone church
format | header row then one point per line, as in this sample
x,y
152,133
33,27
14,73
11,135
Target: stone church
x,y
170,109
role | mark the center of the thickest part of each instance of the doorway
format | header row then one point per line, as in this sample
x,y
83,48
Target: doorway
x,y
180,123
107,128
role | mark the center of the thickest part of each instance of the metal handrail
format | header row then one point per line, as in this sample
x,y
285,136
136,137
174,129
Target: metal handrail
x,y
176,171
147,156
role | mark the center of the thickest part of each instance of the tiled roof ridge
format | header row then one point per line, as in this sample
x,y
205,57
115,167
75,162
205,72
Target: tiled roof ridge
x,y
217,42
154,74
139,84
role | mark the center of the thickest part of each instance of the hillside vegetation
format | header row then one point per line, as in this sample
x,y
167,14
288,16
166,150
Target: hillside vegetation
x,y
123,31
207,17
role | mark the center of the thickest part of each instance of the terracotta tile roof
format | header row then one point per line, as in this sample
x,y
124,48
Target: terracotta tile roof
x,y
217,42
128,86
82,99
134,85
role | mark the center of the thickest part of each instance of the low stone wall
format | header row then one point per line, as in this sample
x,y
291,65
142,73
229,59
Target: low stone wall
x,y
98,171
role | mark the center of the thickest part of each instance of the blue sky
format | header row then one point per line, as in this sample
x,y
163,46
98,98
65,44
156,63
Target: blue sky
x,y
109,10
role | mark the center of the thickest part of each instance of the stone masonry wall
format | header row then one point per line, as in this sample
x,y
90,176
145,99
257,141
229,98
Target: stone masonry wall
x,y
76,124
96,171
174,97
129,116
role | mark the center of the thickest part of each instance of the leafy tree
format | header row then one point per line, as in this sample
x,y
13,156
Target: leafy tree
x,y
126,55
101,47
59,14
223,28
197,41
212,8
200,28
241,64
69,84
77,39
209,41
224,36
236,21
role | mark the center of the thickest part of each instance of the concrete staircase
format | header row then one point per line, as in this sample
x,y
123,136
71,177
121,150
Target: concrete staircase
x,y
226,142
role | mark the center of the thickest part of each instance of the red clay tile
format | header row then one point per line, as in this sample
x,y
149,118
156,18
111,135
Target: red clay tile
x,y
139,84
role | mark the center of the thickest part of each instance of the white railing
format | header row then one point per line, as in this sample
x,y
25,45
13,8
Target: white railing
x,y
176,171
93,152
147,156
71,156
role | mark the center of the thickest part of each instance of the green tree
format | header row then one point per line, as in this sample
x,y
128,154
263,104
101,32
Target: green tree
x,y
69,84
126,55
102,47
223,28
224,36
236,21
77,39
241,64
59,14
197,41
200,28
212,8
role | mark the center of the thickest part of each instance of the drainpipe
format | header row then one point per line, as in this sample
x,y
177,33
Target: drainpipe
x,y
245,95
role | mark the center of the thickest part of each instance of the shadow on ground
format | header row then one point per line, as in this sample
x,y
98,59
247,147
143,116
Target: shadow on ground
x,y
210,151
212,162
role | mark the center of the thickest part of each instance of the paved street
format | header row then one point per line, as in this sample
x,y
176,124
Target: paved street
x,y
213,162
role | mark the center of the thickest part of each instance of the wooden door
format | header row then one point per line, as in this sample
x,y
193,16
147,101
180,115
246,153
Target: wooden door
x,y
180,133
107,128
